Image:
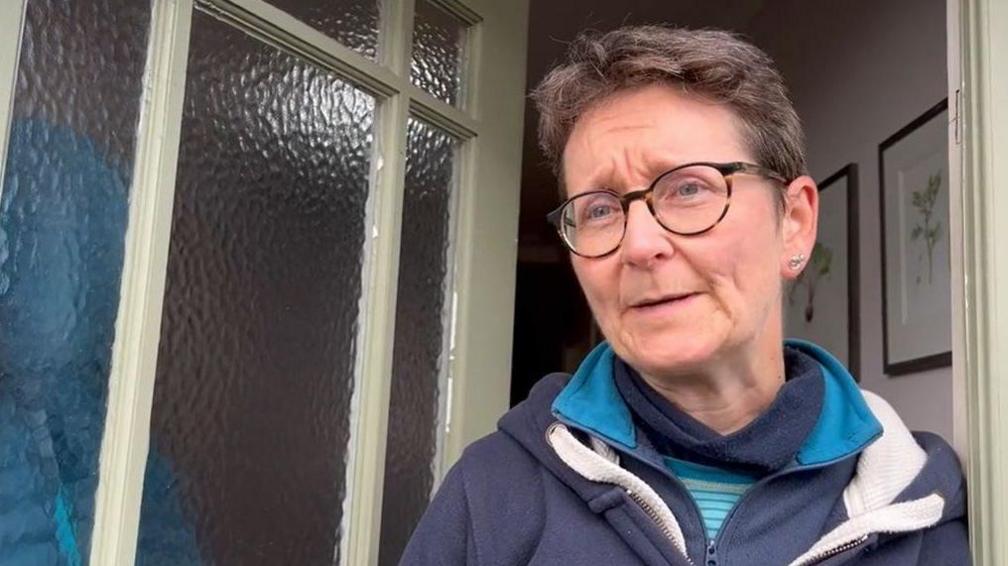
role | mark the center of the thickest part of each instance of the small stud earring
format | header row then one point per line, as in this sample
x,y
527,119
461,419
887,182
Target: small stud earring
x,y
796,261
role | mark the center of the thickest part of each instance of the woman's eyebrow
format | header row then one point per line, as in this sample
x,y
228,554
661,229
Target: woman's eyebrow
x,y
605,176
599,179
649,170
659,164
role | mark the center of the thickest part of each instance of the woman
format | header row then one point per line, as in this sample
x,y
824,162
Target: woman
x,y
691,436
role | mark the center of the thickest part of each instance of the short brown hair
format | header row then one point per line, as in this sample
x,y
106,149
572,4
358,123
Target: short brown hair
x,y
713,64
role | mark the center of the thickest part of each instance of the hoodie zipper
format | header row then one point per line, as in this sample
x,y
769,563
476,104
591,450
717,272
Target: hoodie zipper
x,y
831,552
650,512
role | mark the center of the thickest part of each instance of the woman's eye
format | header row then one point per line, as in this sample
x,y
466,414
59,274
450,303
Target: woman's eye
x,y
597,212
688,190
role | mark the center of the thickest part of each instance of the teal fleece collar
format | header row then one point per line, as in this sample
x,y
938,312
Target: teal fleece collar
x,y
845,426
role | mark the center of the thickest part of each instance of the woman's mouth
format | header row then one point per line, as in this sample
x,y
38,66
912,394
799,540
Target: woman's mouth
x,y
664,304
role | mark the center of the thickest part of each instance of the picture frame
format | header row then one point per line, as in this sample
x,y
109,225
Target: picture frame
x,y
914,220
823,304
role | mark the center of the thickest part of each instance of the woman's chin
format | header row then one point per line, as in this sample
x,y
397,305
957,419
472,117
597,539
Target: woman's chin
x,y
658,355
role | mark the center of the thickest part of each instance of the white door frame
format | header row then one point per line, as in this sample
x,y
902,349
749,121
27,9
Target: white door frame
x,y
981,338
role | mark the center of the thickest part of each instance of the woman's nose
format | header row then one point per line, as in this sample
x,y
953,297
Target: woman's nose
x,y
644,240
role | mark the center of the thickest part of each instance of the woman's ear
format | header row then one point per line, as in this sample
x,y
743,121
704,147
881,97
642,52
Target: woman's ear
x,y
798,225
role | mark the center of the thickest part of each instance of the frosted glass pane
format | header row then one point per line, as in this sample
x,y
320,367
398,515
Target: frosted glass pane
x,y
63,215
251,417
438,53
354,23
420,334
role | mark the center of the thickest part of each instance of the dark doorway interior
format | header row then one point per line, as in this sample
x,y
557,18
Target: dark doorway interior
x,y
552,324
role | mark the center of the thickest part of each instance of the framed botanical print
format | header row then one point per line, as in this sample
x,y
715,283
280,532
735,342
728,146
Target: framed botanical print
x,y
916,273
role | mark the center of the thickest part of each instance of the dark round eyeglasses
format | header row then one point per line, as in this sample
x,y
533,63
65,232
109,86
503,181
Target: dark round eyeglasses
x,y
687,200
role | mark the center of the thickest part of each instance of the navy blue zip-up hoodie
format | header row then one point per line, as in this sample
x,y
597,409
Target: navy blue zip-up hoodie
x,y
570,478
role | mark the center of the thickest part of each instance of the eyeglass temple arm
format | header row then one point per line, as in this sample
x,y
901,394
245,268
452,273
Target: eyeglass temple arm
x,y
740,167
556,217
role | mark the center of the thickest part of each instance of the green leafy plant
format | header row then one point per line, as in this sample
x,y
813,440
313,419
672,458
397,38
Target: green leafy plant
x,y
928,228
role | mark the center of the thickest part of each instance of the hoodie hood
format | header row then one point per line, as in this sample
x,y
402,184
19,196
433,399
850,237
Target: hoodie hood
x,y
901,483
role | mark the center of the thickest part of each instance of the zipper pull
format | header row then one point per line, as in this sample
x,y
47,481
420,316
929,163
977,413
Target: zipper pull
x,y
711,554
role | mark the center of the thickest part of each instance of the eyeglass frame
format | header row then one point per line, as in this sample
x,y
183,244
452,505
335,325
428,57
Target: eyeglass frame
x,y
726,170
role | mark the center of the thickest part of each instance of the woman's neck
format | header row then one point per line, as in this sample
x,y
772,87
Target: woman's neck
x,y
727,394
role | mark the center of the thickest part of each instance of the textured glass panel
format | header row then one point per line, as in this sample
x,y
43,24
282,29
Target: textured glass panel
x,y
354,23
251,416
63,214
420,335
438,64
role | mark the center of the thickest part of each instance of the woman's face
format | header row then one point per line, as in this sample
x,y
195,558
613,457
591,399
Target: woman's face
x,y
719,292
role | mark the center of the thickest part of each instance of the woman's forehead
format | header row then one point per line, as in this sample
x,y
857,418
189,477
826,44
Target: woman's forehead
x,y
658,114
641,133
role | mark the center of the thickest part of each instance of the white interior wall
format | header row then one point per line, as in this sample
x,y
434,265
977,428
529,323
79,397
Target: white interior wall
x,y
859,71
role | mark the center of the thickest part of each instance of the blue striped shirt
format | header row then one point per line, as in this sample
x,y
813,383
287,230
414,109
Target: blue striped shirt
x,y
714,490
